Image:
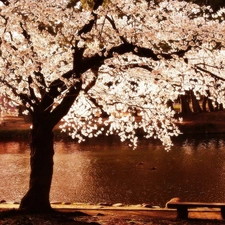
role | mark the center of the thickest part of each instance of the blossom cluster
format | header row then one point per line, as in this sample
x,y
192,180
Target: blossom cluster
x,y
147,54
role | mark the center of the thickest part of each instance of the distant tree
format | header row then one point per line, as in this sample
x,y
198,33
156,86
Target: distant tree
x,y
78,60
215,4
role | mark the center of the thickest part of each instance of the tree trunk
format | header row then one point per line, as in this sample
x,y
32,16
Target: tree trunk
x,y
195,103
41,162
210,105
185,108
205,99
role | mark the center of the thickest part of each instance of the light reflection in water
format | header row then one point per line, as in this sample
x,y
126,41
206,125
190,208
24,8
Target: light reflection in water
x,y
105,170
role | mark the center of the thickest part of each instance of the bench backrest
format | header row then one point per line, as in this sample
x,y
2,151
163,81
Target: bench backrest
x,y
195,204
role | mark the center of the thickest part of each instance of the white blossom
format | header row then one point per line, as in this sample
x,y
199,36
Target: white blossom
x,y
187,46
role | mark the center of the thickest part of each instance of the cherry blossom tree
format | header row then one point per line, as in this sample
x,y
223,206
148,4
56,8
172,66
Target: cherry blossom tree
x,y
98,64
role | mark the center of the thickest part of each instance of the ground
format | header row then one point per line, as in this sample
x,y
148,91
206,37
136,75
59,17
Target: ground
x,y
106,217
195,123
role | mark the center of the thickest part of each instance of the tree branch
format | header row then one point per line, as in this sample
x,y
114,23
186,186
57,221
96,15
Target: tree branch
x,y
56,88
77,60
87,27
115,28
23,97
98,59
32,93
62,109
5,2
210,73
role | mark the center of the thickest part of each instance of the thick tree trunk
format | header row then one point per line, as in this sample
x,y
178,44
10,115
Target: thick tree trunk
x,y
41,162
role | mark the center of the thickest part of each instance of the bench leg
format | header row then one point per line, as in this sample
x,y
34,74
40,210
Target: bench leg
x,y
182,212
223,212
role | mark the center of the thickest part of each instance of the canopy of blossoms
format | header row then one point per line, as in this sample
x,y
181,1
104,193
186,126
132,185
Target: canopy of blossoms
x,y
137,55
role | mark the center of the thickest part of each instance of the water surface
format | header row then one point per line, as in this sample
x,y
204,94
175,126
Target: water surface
x,y
106,170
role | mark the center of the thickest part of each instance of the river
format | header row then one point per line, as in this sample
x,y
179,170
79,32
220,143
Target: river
x,y
104,170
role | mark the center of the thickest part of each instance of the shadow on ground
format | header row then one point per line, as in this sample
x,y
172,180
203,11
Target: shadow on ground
x,y
97,217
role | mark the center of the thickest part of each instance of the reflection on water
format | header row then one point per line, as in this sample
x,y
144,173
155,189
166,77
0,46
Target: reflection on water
x,y
105,170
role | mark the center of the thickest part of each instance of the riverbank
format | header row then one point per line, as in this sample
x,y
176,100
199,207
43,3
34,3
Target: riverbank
x,y
203,123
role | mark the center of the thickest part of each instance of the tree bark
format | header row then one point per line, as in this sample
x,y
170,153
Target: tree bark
x,y
42,151
195,103
210,105
41,162
185,108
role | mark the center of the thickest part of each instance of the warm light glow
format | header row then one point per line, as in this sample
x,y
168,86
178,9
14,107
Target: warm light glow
x,y
187,53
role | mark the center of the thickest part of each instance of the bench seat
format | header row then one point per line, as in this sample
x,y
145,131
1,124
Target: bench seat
x,y
182,207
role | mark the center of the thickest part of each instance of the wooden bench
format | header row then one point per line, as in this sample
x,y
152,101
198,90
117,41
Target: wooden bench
x,y
182,207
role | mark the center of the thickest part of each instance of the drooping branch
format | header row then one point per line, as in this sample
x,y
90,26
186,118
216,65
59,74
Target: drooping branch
x,y
210,73
23,97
